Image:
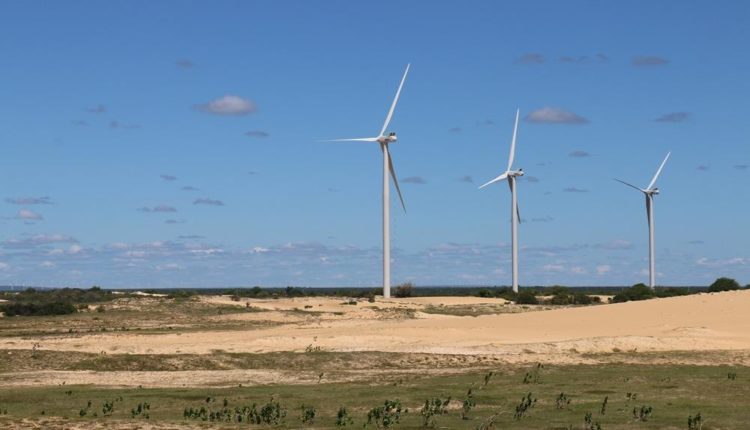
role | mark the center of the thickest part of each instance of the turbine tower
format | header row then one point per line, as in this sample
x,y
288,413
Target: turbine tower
x,y
650,191
515,216
385,140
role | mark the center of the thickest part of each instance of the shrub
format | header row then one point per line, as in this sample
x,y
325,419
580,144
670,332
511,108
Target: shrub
x,y
468,404
404,290
642,414
562,401
723,284
484,292
343,419
527,402
532,376
526,298
307,414
431,408
385,416
37,309
636,292
695,422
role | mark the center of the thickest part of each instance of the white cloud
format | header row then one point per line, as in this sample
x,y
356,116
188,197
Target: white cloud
x,y
554,115
603,269
228,105
29,215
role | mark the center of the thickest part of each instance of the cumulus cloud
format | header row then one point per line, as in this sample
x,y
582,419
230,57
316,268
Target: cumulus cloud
x,y
174,221
189,188
97,109
579,154
228,105
703,168
168,177
209,202
614,245
673,117
530,179
29,215
602,58
257,133
157,209
414,180
466,178
734,261
114,125
649,60
575,190
184,63
530,58
569,59
29,200
603,269
554,115
454,130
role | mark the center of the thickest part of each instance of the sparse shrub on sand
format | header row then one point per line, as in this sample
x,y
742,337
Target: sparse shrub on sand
x,y
732,376
487,377
404,290
603,409
468,404
432,408
488,423
385,416
589,423
141,410
343,419
532,376
643,413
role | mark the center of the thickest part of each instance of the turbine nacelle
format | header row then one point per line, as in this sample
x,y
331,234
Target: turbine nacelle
x,y
515,173
391,138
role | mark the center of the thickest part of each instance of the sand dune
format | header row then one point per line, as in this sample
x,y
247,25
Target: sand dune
x,y
699,322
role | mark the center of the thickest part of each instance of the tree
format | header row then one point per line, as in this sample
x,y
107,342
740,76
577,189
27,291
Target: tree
x,y
723,284
526,298
404,290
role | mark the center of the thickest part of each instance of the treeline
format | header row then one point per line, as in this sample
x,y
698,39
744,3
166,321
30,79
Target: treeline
x,y
32,302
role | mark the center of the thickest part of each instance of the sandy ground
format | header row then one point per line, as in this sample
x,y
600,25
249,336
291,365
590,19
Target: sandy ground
x,y
699,322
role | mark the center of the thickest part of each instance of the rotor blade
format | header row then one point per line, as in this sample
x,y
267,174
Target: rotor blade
x,y
630,185
359,139
518,213
653,181
513,142
395,100
499,178
393,175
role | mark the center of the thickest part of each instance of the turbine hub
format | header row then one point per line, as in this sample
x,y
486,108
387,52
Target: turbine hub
x,y
518,172
390,138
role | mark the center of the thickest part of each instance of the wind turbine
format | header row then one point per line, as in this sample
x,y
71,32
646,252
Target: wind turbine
x,y
515,216
385,140
650,191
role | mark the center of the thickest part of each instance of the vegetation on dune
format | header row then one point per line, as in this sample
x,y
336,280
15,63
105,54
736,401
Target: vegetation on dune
x,y
404,290
33,302
724,284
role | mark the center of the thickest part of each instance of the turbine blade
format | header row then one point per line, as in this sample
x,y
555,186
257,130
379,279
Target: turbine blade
x,y
393,175
499,178
653,181
395,100
513,142
359,139
630,185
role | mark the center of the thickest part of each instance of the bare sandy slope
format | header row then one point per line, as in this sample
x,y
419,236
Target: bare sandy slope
x,y
699,322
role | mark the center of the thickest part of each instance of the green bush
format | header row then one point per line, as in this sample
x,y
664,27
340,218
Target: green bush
x,y
636,292
37,309
723,284
526,298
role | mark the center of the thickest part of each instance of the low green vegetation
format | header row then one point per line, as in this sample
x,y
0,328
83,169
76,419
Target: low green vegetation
x,y
613,396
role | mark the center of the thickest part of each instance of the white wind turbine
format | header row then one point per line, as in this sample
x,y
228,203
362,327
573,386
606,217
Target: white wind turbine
x,y
515,216
650,191
387,169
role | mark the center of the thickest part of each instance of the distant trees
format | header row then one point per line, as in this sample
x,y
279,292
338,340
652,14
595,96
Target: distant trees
x,y
526,297
404,290
37,309
636,292
723,284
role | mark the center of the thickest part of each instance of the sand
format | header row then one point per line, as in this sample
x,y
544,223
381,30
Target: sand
x,y
701,322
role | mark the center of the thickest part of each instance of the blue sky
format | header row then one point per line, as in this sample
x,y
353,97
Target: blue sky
x,y
174,144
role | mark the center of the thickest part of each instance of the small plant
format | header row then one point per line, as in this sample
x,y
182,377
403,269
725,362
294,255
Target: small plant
x,y
431,408
310,348
101,309
631,396
404,290
642,414
489,423
141,410
589,423
527,402
272,412
307,414
487,377
108,407
695,422
385,416
562,401
343,419
732,376
532,376
468,404
603,409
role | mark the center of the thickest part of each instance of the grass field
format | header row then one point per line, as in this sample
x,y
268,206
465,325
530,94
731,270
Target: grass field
x,y
718,393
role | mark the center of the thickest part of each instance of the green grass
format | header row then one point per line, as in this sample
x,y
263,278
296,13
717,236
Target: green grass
x,y
674,393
